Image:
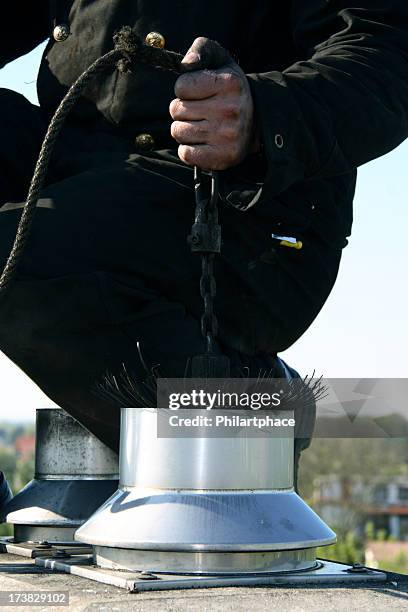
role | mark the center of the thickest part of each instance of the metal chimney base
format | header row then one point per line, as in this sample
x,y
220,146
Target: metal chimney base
x,y
205,532
206,563
52,510
43,533
326,574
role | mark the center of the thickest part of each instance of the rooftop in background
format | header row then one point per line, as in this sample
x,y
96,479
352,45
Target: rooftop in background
x,y
25,445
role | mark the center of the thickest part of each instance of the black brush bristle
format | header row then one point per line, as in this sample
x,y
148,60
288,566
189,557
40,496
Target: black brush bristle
x,y
125,389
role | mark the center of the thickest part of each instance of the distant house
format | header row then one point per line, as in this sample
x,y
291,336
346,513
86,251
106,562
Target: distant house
x,y
350,501
25,446
385,553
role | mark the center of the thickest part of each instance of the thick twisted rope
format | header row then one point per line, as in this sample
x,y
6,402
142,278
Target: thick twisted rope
x,y
129,51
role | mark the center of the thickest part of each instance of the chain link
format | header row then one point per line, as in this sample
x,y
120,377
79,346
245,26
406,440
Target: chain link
x,y
208,286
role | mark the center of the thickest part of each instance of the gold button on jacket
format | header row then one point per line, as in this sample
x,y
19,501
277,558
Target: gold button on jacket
x,y
155,39
144,142
61,32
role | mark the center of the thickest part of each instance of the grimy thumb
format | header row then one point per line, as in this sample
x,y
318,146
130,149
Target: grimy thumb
x,y
205,53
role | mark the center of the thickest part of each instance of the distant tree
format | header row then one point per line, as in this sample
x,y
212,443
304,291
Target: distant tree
x,y
349,548
345,457
8,464
18,431
25,472
369,531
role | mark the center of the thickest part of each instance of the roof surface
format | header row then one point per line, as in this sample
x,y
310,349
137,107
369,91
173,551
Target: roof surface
x,y
20,574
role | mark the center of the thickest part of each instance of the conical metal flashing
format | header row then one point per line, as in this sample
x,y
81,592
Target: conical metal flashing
x,y
74,474
203,506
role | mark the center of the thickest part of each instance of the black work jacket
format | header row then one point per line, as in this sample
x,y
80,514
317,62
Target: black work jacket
x,y
329,80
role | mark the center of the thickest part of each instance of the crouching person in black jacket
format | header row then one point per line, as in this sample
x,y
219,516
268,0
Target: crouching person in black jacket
x,y
311,91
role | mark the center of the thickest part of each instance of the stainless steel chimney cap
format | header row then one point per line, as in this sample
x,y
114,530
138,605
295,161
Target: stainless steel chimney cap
x,y
210,505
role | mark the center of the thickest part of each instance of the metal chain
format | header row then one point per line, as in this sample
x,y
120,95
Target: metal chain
x,y
205,239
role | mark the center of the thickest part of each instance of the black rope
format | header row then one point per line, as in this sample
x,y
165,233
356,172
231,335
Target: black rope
x,y
43,162
129,50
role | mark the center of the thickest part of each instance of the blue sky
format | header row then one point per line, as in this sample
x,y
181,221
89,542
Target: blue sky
x,y
362,330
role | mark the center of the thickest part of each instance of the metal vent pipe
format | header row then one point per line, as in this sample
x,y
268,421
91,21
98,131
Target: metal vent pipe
x,y
74,474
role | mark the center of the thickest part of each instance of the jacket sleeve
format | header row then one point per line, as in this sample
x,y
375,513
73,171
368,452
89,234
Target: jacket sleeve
x,y
22,27
344,103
